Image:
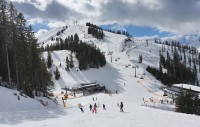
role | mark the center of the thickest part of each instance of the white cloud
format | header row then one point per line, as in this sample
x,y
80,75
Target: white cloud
x,y
33,21
56,24
177,16
39,4
19,1
40,32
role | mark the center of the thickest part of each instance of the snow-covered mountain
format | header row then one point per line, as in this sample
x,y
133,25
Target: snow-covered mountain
x,y
134,89
192,40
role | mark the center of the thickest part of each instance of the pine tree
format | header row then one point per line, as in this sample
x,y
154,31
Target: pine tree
x,y
27,68
57,74
185,102
4,39
76,38
71,65
67,64
49,60
197,105
180,101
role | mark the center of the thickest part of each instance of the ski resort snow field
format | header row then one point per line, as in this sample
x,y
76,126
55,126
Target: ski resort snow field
x,y
118,77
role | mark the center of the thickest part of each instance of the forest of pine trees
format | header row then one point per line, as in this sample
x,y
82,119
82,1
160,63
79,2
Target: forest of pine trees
x,y
188,102
17,43
92,25
97,33
122,32
95,30
179,67
88,55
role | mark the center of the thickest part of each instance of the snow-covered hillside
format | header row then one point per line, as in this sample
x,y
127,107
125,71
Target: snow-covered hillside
x,y
118,75
192,40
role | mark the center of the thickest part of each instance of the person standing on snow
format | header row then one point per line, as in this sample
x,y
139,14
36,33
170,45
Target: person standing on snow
x,y
121,107
90,107
81,108
95,108
104,107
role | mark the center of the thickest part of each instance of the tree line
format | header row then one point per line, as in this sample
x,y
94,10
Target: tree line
x,y
20,59
92,25
188,102
95,30
88,55
97,33
181,65
122,32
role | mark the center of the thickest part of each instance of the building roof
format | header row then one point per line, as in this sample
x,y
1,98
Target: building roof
x,y
187,86
89,85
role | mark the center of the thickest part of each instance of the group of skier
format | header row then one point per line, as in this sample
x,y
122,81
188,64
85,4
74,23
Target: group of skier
x,y
93,109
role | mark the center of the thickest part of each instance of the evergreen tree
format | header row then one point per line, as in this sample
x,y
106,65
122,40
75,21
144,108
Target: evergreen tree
x,y
87,54
67,64
26,64
72,39
49,59
185,102
71,65
76,38
57,74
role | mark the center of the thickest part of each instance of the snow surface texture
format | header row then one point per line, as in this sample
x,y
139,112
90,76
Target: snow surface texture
x,y
118,75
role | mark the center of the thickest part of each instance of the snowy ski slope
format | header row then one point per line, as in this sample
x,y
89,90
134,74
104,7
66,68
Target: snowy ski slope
x,y
118,75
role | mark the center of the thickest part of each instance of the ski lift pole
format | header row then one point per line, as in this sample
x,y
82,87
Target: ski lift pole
x,y
135,71
110,53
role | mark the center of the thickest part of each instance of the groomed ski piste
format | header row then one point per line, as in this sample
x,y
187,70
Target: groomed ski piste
x,y
118,75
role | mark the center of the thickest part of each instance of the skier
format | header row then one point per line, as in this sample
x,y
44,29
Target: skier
x,y
18,97
81,107
121,107
95,108
104,107
90,107
46,104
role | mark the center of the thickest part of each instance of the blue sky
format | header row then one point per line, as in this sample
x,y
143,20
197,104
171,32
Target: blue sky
x,y
38,26
139,31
